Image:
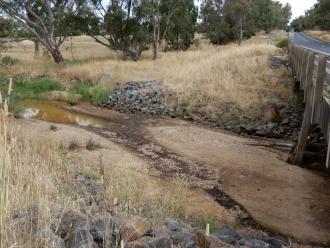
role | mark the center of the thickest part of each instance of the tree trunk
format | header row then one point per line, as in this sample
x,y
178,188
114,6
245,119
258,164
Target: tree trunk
x,y
36,48
241,32
156,43
57,56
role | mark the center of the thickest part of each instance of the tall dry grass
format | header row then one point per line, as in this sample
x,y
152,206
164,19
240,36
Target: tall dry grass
x,y
321,35
207,78
158,199
30,174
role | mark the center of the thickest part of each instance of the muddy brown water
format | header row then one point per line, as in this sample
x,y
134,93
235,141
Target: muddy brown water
x,y
57,113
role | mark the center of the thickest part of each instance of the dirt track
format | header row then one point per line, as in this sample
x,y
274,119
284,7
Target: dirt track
x,y
283,198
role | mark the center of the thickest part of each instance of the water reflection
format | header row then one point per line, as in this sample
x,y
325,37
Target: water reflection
x,y
54,112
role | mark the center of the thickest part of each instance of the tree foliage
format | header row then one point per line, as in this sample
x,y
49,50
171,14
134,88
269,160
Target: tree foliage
x,y
130,26
225,20
48,20
318,17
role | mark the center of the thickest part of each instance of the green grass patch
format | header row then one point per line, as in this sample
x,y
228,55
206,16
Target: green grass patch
x,y
98,95
89,93
35,87
26,90
283,43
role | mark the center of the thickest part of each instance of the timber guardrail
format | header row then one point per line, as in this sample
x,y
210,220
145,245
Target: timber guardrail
x,y
310,68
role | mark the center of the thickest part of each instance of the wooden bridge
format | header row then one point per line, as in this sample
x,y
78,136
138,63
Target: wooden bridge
x,y
312,69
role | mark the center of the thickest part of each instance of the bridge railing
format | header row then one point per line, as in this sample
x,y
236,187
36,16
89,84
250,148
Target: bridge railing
x,y
310,69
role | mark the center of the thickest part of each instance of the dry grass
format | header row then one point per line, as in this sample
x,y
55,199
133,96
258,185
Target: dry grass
x,y
321,35
158,199
207,78
30,175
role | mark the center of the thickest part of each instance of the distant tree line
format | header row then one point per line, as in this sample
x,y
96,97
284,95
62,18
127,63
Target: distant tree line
x,y
226,20
133,26
318,17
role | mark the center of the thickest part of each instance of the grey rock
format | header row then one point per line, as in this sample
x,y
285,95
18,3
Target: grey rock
x,y
106,231
228,235
53,241
255,243
68,223
275,243
162,242
81,238
176,225
135,228
285,121
147,97
105,77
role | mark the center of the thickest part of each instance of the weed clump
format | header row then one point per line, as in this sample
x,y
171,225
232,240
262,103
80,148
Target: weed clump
x,y
73,145
89,93
91,145
283,43
9,61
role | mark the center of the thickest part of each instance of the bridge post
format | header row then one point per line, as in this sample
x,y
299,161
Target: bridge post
x,y
328,154
319,85
303,69
309,75
306,125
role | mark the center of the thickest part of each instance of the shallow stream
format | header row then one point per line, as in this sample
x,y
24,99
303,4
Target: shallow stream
x,y
57,112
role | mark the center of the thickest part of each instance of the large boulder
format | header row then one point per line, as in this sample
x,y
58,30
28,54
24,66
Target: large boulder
x,y
135,228
81,238
69,221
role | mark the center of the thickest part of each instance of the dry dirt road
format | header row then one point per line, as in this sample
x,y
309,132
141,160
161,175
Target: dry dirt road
x,y
282,198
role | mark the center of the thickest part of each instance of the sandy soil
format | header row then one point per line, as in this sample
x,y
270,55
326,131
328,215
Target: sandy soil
x,y
282,197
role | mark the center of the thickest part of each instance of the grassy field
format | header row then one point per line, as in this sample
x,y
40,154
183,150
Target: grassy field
x,y
208,79
321,35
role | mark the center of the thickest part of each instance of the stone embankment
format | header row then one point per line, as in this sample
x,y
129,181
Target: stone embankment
x,y
76,231
152,98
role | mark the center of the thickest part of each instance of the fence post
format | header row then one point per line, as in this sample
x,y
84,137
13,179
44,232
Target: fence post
x,y
319,84
328,153
303,69
309,76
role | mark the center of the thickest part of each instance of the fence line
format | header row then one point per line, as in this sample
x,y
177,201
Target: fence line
x,y
310,69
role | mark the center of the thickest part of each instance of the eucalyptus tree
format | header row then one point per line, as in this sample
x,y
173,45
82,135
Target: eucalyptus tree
x,y
120,25
237,14
173,21
48,20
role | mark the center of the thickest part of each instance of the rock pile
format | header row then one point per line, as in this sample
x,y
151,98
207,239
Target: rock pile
x,y
76,231
147,97
287,127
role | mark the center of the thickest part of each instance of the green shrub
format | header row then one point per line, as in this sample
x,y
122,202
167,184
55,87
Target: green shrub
x,y
72,98
99,94
81,89
7,60
95,94
283,43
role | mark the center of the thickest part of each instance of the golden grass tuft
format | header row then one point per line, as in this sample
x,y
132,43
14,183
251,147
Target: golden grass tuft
x,y
157,199
321,35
